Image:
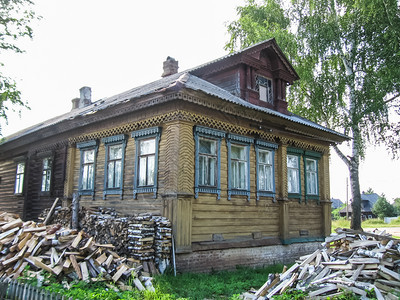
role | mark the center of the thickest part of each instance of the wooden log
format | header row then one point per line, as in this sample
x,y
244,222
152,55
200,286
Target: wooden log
x,y
16,223
138,284
75,265
77,240
50,213
121,271
8,233
84,270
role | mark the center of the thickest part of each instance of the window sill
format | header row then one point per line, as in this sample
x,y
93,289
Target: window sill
x,y
266,194
209,190
145,190
239,192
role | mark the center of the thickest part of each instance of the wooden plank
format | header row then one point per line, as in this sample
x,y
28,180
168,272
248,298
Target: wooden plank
x,y
8,233
119,273
51,211
84,270
16,223
328,288
390,272
138,284
75,265
35,229
41,265
77,240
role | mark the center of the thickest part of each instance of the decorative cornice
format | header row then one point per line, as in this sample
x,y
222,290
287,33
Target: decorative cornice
x,y
87,144
114,139
209,131
240,138
266,144
146,132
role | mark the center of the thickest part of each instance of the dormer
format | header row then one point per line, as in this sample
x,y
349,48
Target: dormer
x,y
259,74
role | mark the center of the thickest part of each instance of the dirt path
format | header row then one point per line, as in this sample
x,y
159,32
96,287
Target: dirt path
x,y
395,231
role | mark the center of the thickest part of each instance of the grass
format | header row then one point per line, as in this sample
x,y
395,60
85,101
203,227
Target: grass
x,y
215,285
370,223
193,286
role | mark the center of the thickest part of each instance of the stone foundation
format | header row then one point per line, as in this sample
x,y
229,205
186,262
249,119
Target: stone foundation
x,y
225,259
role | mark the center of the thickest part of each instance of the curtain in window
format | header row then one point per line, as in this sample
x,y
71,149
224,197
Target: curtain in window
x,y
311,177
207,162
114,166
19,180
293,174
238,167
265,170
88,170
46,175
147,162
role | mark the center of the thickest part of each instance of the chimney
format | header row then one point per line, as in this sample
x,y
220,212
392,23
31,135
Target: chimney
x,y
85,98
170,67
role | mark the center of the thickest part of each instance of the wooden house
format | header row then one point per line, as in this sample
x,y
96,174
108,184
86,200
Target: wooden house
x,y
213,148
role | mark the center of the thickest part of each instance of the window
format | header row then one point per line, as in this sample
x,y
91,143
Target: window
x,y
238,165
19,179
293,169
265,153
88,167
207,160
114,166
264,87
46,174
146,162
311,176
311,159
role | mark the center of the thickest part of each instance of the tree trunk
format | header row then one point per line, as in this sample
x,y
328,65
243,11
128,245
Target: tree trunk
x,y
356,195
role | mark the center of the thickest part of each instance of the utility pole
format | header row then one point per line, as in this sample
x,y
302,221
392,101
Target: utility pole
x,y
347,198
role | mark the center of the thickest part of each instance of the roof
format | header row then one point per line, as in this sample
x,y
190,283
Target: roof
x,y
180,81
175,81
336,203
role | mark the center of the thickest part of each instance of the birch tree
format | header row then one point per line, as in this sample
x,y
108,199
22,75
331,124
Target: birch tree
x,y
15,19
347,54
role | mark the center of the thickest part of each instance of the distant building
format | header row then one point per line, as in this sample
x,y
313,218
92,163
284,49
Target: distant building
x,y
367,202
336,203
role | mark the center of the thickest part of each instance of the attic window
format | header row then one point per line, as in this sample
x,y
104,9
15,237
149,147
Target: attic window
x,y
264,87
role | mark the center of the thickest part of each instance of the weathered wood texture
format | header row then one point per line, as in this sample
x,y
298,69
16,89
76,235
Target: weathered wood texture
x,y
37,201
8,200
305,217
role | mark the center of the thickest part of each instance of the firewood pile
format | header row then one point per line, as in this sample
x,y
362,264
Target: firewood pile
x,y
66,253
144,237
350,261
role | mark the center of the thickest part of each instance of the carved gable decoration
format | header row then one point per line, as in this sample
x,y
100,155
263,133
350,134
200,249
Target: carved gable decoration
x,y
258,74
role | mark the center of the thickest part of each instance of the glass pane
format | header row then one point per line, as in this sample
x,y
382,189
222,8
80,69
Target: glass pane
x,y
110,177
311,165
20,168
207,170
45,163
115,152
265,157
142,171
118,174
262,178
292,161
312,184
147,147
88,156
238,152
238,176
208,146
150,170
293,183
242,175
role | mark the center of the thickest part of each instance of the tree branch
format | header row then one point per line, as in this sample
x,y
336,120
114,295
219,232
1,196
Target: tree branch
x,y
341,155
392,99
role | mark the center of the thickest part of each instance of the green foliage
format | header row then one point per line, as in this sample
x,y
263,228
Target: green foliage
x,y
395,222
291,294
15,19
396,205
336,212
382,208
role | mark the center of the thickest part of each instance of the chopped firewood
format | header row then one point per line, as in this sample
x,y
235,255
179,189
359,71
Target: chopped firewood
x,y
76,266
16,223
328,288
121,270
84,271
138,284
77,240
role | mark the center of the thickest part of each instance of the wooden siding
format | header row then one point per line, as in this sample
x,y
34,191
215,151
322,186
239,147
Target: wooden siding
x,y
8,200
305,217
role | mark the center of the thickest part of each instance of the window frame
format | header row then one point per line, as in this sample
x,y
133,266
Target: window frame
x,y
298,153
233,139
83,147
116,140
21,182
214,135
48,170
271,147
315,156
140,135
263,81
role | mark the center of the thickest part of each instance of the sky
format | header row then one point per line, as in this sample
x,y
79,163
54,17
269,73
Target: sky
x,y
113,46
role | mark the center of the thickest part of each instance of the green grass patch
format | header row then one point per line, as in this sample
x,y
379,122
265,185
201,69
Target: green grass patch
x,y
215,285
370,223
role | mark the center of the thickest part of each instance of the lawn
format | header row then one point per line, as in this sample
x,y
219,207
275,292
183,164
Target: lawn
x,y
370,223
